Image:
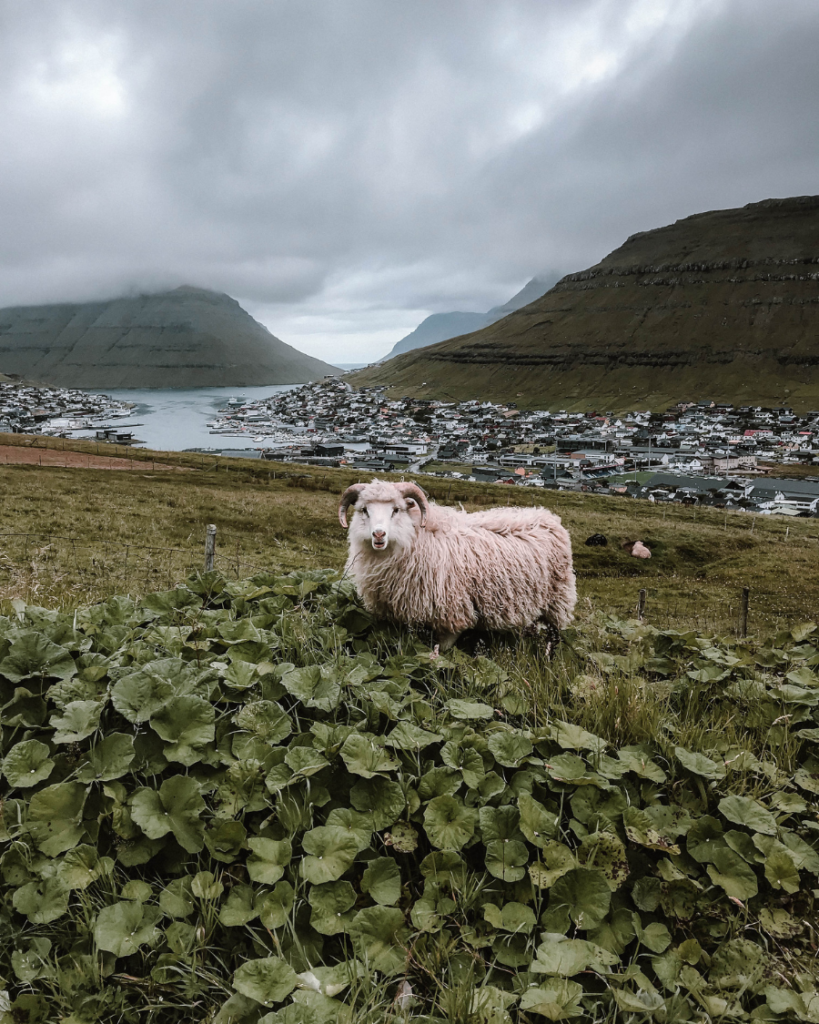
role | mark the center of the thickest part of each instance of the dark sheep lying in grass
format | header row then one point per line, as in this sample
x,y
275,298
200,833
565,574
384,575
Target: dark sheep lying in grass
x,y
597,540
448,570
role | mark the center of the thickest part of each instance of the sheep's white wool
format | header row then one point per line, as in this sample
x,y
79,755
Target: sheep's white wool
x,y
503,569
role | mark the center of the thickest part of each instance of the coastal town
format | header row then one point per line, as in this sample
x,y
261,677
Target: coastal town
x,y
706,453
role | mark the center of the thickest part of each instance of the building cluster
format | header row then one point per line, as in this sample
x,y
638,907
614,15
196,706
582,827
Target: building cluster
x,y
328,423
55,411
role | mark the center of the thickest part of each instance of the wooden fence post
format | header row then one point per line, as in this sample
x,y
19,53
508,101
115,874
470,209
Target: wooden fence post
x,y
210,547
641,605
743,612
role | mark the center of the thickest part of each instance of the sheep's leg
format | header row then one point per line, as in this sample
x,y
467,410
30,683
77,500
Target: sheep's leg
x,y
445,639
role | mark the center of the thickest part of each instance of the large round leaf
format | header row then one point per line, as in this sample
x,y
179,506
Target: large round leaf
x,y
55,817
186,724
268,981
33,655
42,901
506,859
268,859
382,880
509,748
730,871
331,851
381,939
27,763
275,905
380,797
109,759
79,719
743,810
584,894
449,825
365,756
122,928
177,808
139,695
331,904
536,823
266,719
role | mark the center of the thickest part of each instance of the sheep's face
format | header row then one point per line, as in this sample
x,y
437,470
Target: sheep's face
x,y
385,524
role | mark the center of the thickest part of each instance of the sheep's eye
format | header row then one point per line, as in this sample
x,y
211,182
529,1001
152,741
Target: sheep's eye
x,y
364,512
395,511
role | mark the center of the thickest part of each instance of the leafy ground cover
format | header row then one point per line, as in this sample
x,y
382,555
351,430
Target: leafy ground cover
x,y
244,802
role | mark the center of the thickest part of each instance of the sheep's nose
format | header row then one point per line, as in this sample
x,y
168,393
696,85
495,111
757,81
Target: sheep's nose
x,y
379,534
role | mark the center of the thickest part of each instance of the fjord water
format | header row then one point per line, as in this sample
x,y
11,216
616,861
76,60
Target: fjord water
x,y
174,419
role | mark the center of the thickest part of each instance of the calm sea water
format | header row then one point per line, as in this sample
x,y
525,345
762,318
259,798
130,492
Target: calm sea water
x,y
174,419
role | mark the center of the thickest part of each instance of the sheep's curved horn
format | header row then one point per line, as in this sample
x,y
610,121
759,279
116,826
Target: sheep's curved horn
x,y
414,491
349,497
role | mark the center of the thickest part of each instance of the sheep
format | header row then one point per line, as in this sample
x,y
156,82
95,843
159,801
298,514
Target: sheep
x,y
426,565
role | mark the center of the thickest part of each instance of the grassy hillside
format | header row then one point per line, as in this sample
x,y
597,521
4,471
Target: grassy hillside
x,y
76,535
719,305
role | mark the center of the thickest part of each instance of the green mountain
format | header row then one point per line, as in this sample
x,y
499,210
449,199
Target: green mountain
x,y
188,337
722,305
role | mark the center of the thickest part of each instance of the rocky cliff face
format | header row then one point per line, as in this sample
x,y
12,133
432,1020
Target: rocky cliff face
x,y
188,337
722,305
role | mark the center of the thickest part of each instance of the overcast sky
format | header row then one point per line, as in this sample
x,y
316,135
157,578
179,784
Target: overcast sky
x,y
344,168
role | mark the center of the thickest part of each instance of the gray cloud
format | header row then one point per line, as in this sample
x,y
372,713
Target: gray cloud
x,y
344,168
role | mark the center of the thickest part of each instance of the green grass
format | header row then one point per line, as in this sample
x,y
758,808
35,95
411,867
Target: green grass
x,y
70,536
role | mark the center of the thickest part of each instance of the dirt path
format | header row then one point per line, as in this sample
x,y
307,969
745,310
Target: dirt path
x,y
11,454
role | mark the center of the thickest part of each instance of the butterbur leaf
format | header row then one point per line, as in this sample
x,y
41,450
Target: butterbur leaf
x,y
465,759
123,927
365,756
238,909
449,825
186,723
331,851
43,901
109,759
573,737
469,709
556,999
355,823
268,859
331,903
584,894
205,886
506,859
536,823
176,899
226,841
605,851
55,817
730,871
406,736
27,763
382,880
315,687
514,917
268,981
555,861
79,719
275,905
743,810
305,761
654,936
33,655
567,957
509,748
266,719
381,797
82,866
699,764
381,939
704,837
177,808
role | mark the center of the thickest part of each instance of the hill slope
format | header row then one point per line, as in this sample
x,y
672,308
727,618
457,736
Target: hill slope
x,y
188,337
443,326
722,304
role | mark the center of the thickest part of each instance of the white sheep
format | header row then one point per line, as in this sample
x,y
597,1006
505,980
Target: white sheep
x,y
426,565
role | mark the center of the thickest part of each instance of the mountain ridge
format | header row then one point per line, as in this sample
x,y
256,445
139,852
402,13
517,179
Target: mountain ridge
x,y
185,337
722,304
